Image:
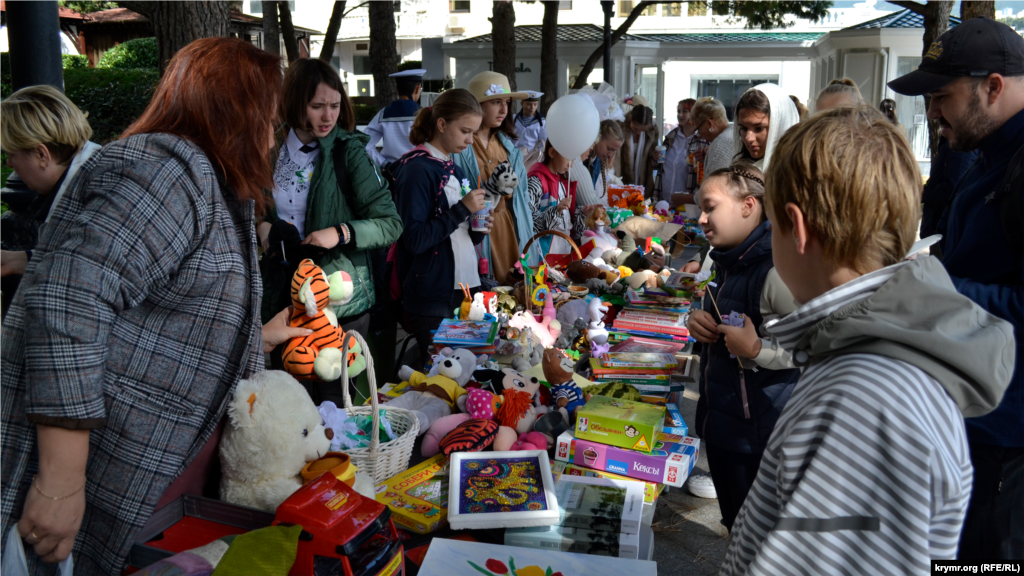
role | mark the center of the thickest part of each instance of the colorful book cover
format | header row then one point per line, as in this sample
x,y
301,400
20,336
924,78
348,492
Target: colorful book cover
x,y
640,318
638,344
637,376
599,369
459,558
418,497
618,422
656,313
639,360
501,490
643,326
615,331
674,423
670,463
466,333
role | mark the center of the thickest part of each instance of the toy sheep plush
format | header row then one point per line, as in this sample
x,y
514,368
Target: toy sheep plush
x,y
274,430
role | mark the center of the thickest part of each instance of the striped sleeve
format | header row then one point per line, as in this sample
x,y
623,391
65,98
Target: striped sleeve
x,y
866,474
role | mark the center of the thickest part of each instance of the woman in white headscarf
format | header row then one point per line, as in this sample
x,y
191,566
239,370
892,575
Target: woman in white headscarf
x,y
763,114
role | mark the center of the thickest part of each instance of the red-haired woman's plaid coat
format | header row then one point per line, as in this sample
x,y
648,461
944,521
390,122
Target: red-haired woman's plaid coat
x,y
136,317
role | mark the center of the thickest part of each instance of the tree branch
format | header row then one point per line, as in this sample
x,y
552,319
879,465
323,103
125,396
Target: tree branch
x,y
137,7
588,67
331,36
915,7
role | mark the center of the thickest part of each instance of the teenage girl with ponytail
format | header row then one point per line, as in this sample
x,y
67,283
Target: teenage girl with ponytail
x,y
436,252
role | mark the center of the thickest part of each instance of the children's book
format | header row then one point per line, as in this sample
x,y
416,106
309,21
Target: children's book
x,y
466,333
600,370
637,344
639,360
600,503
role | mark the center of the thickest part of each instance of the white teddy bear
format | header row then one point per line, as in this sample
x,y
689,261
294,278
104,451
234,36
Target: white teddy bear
x,y
274,430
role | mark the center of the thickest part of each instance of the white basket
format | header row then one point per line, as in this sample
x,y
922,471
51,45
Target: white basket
x,y
380,460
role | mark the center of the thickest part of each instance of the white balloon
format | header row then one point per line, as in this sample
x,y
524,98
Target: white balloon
x,y
572,123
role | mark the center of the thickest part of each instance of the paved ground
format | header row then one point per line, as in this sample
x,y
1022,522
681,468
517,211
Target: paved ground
x,y
689,538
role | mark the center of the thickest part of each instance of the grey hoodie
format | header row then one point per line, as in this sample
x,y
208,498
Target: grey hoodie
x,y
870,453
917,316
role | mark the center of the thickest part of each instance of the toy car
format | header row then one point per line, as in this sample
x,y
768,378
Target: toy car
x,y
343,533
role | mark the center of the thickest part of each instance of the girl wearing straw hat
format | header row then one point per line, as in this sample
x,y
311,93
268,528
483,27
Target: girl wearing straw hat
x,y
493,144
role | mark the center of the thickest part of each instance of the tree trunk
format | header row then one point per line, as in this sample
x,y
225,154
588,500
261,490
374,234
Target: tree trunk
x,y
549,56
503,33
333,26
291,46
977,8
597,54
271,28
936,22
383,56
176,24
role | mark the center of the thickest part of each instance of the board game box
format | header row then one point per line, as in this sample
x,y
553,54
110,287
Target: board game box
x,y
670,463
618,422
418,497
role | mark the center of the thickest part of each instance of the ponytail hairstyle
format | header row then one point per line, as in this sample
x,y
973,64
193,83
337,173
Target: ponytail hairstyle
x,y
742,181
844,87
610,130
888,107
641,115
450,105
800,108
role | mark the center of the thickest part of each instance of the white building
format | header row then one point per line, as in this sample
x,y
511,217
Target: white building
x,y
673,51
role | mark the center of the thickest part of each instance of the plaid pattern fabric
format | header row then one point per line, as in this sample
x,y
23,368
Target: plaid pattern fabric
x,y
136,317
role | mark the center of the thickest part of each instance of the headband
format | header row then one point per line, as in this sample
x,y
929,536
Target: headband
x,y
748,175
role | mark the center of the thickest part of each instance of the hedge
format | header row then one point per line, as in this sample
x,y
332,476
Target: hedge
x,y
137,53
75,61
113,98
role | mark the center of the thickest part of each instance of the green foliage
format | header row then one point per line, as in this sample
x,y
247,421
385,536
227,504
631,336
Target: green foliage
x,y
85,6
1016,23
112,98
137,53
767,15
364,112
75,61
410,65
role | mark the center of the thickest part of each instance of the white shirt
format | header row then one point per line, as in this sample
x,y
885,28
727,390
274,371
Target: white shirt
x,y
532,137
467,267
676,170
292,177
394,132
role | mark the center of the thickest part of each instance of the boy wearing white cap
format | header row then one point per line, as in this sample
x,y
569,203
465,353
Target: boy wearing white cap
x,y
531,126
394,123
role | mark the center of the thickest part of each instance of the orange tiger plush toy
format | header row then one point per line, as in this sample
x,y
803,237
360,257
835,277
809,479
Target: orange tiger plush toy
x,y
318,355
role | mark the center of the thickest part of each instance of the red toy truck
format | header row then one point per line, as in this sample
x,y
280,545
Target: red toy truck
x,y
344,534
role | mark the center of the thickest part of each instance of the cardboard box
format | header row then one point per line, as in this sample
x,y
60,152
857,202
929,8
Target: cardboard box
x,y
674,423
622,423
651,489
670,464
418,497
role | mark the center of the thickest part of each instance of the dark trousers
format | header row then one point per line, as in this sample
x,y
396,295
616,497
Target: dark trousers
x,y
422,326
994,527
733,474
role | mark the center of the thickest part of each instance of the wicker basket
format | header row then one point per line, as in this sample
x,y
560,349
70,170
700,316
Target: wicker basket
x,y
381,460
561,259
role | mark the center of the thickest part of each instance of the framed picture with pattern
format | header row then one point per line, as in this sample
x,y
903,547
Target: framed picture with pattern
x,y
501,490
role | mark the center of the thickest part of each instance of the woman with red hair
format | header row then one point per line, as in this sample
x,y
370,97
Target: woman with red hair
x,y
138,312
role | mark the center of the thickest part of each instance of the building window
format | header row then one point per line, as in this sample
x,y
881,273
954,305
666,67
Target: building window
x,y
362,87
696,8
362,47
565,4
458,6
361,64
728,92
910,110
672,9
256,6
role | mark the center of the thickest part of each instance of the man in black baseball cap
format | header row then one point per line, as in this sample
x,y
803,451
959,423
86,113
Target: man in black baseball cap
x,y
974,76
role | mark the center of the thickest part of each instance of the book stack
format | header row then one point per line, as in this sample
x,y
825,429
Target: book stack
x,y
648,318
648,372
475,335
599,516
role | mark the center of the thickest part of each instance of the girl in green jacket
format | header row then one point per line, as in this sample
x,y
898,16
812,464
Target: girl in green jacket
x,y
332,212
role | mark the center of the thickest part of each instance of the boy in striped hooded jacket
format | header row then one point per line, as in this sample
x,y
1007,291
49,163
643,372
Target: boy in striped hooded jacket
x,y
867,470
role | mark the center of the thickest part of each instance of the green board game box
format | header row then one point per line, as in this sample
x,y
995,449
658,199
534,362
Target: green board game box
x,y
622,423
